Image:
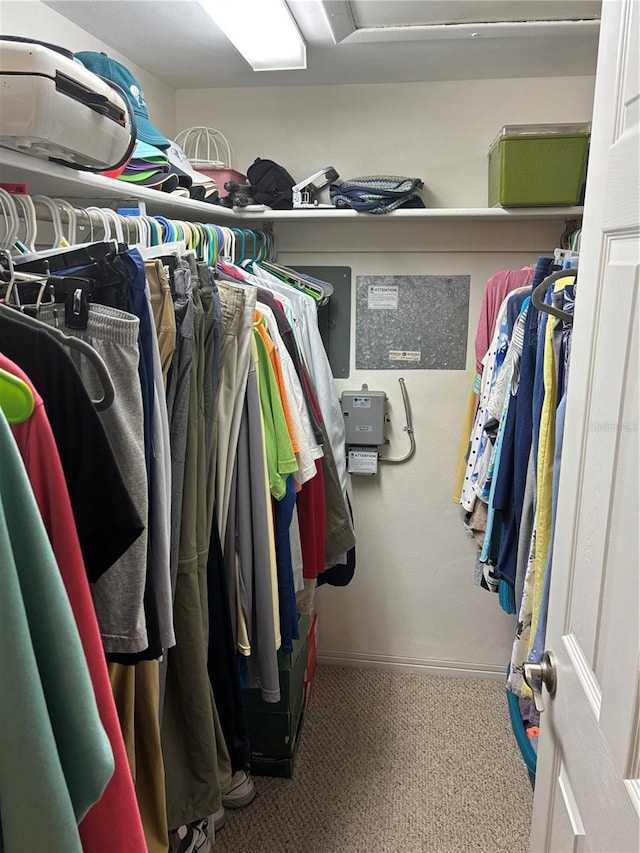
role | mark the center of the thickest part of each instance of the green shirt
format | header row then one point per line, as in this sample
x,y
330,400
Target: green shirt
x,y
55,758
281,459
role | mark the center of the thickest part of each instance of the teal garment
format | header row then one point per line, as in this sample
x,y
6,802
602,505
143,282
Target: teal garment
x,y
55,757
507,598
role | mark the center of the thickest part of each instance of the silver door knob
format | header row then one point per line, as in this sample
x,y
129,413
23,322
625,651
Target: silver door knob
x,y
536,674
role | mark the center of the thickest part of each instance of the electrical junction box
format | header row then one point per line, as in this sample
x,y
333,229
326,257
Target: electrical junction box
x,y
364,413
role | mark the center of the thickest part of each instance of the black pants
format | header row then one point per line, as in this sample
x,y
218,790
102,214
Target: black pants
x,y
223,670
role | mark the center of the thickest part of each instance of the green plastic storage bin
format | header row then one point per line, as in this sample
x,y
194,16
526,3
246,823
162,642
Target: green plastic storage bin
x,y
540,165
274,727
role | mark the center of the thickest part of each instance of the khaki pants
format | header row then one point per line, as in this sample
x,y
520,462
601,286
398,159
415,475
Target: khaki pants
x,y
136,692
163,313
238,305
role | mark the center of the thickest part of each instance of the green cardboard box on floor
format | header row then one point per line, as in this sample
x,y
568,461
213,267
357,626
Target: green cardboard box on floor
x,y
274,727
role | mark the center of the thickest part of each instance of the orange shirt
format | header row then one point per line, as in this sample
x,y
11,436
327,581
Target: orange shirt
x,y
277,369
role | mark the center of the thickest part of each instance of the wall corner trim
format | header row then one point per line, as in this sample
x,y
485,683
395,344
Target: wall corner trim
x,y
452,669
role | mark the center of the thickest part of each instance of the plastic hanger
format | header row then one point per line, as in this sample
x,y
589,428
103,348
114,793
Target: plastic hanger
x,y
168,231
239,232
537,297
116,220
213,244
142,231
68,340
155,231
186,233
73,343
28,211
66,257
178,247
320,291
200,242
100,215
54,210
72,218
11,219
229,244
16,398
254,245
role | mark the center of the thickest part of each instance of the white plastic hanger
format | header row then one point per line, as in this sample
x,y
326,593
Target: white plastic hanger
x,y
27,210
72,218
59,238
114,218
11,219
99,213
177,247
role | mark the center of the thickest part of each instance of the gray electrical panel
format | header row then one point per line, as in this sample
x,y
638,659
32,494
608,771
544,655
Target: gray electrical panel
x,y
364,417
334,318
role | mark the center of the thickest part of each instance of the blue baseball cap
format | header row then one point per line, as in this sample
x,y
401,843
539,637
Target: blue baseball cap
x,y
104,66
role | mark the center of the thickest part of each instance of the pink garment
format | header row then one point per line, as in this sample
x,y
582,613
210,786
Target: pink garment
x,y
495,290
113,823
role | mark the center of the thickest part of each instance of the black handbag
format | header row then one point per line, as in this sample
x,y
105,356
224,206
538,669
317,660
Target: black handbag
x,y
271,184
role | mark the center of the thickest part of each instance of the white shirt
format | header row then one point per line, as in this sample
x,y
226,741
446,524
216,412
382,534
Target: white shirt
x,y
308,449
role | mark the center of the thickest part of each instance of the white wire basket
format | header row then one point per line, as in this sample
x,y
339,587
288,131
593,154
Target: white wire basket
x,y
209,152
205,146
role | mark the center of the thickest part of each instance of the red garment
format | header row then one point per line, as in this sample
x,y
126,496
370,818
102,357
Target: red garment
x,y
312,508
113,823
495,290
312,521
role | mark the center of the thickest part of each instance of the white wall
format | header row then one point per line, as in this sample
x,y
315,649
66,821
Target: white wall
x,y
412,601
32,19
440,132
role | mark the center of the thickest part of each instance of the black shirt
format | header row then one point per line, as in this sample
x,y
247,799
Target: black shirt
x,y
105,516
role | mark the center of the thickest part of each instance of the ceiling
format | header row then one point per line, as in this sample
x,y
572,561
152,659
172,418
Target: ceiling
x,y
356,41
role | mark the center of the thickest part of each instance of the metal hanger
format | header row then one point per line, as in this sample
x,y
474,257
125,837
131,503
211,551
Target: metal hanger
x,y
537,297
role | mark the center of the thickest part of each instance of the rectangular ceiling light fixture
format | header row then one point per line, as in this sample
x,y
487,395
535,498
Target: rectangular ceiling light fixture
x,y
263,31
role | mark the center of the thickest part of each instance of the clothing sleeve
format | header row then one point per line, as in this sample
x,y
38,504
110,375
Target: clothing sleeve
x,y
281,459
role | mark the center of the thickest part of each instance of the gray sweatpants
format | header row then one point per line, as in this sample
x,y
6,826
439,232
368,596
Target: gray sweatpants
x,y
118,594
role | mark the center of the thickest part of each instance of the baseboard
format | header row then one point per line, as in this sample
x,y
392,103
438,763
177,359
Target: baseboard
x,y
455,669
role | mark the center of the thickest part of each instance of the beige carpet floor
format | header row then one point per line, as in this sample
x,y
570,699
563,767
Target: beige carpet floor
x,y
393,763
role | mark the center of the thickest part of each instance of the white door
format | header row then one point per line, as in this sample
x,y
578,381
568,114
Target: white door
x,y
587,794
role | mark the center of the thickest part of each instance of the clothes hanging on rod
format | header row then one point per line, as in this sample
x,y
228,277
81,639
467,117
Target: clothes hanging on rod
x,y
228,441
97,831
512,466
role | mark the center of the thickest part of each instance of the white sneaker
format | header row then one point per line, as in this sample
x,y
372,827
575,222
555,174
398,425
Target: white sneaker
x,y
219,819
240,792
